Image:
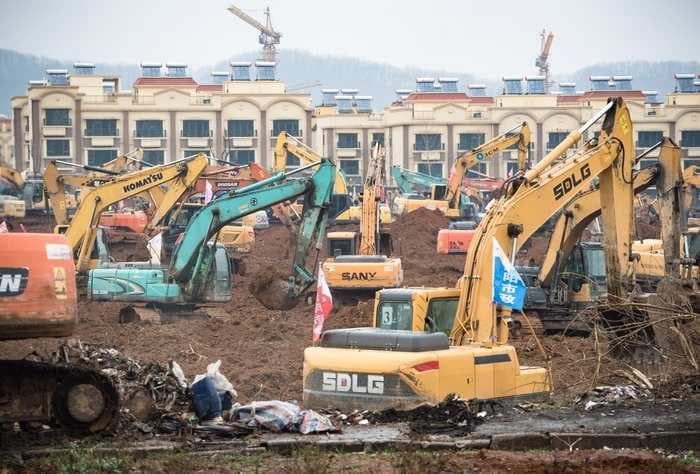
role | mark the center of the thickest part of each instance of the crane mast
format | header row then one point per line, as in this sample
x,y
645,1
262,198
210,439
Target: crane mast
x,y
542,60
268,37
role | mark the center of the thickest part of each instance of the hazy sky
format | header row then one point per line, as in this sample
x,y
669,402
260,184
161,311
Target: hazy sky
x,y
488,38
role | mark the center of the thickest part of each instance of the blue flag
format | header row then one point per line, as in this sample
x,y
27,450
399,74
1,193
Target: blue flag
x,y
509,289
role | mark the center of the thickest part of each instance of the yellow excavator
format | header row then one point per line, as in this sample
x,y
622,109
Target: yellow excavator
x,y
56,183
448,197
358,262
11,187
179,177
376,368
343,210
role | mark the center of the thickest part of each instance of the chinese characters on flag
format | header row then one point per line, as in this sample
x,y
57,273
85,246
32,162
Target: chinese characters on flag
x,y
324,304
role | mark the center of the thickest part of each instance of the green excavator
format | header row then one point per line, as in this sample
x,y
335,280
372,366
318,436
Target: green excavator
x,y
199,272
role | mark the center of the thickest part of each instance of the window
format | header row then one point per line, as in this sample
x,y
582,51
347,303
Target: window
x,y
101,128
427,141
187,153
265,73
481,168
395,315
691,162
241,128
432,169
469,141
290,126
350,167
648,139
292,161
195,128
57,147
511,168
149,128
378,137
555,138
348,140
154,157
690,138
100,157
57,117
241,157
441,315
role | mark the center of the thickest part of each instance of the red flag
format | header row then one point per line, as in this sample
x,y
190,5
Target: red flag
x,y
208,192
324,304
3,228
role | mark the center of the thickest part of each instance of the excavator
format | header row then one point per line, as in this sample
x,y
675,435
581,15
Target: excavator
x,y
392,366
82,231
11,188
358,263
38,299
197,274
448,197
343,211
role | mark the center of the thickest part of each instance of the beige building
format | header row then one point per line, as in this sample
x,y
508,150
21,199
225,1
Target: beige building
x,y
6,142
426,129
83,117
87,118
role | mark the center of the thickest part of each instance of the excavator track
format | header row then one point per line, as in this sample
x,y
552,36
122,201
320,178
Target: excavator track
x,y
78,399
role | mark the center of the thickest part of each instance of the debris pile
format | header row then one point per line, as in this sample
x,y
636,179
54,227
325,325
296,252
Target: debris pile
x,y
453,416
608,395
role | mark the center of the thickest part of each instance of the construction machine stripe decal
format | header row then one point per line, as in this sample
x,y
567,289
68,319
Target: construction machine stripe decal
x,y
491,359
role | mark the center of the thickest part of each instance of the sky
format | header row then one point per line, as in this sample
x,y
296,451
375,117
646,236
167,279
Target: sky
x,y
487,38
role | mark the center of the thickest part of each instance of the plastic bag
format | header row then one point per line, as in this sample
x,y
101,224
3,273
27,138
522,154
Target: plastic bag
x,y
277,416
212,393
221,383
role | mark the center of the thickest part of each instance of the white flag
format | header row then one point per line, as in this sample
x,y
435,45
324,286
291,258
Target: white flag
x,y
3,228
324,304
154,248
208,192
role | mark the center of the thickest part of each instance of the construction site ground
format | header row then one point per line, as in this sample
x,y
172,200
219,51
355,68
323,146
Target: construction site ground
x,y
262,352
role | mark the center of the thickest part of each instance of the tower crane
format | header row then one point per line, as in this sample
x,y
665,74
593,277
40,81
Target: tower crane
x,y
542,61
268,37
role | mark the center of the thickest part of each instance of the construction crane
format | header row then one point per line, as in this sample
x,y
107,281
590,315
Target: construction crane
x,y
268,37
542,61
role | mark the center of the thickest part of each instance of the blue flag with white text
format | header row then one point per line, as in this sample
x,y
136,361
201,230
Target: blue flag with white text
x,y
509,289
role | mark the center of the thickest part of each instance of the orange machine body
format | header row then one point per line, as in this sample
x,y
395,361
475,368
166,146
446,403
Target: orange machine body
x,y
131,221
38,296
454,240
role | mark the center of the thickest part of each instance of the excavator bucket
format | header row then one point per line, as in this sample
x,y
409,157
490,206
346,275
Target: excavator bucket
x,y
275,293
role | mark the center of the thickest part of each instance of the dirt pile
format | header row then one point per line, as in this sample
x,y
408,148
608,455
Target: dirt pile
x,y
414,237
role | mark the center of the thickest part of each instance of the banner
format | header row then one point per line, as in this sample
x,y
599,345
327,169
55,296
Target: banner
x,y
154,248
324,304
208,192
509,289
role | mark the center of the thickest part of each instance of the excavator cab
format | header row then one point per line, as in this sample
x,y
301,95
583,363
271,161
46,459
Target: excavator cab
x,y
416,309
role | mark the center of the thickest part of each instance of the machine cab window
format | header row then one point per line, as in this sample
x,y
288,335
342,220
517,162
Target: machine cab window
x,y
441,315
395,315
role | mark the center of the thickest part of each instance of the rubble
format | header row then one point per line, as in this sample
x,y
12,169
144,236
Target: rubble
x,y
607,395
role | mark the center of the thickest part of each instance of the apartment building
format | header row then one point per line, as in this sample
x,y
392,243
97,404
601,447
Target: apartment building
x,y
427,128
6,142
84,117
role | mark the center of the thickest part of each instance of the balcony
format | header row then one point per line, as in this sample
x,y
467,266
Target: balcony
x,y
241,142
143,100
348,151
57,129
196,141
273,136
200,100
150,141
101,140
429,155
101,99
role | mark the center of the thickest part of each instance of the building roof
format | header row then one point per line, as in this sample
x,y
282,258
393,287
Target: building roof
x,y
588,95
438,97
210,88
165,81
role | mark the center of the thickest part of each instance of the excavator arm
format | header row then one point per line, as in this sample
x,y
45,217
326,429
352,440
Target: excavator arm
x,y
529,200
407,180
518,135
369,224
192,259
289,144
584,209
179,176
13,176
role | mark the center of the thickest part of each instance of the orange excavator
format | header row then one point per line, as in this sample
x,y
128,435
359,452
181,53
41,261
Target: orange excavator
x,y
38,298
